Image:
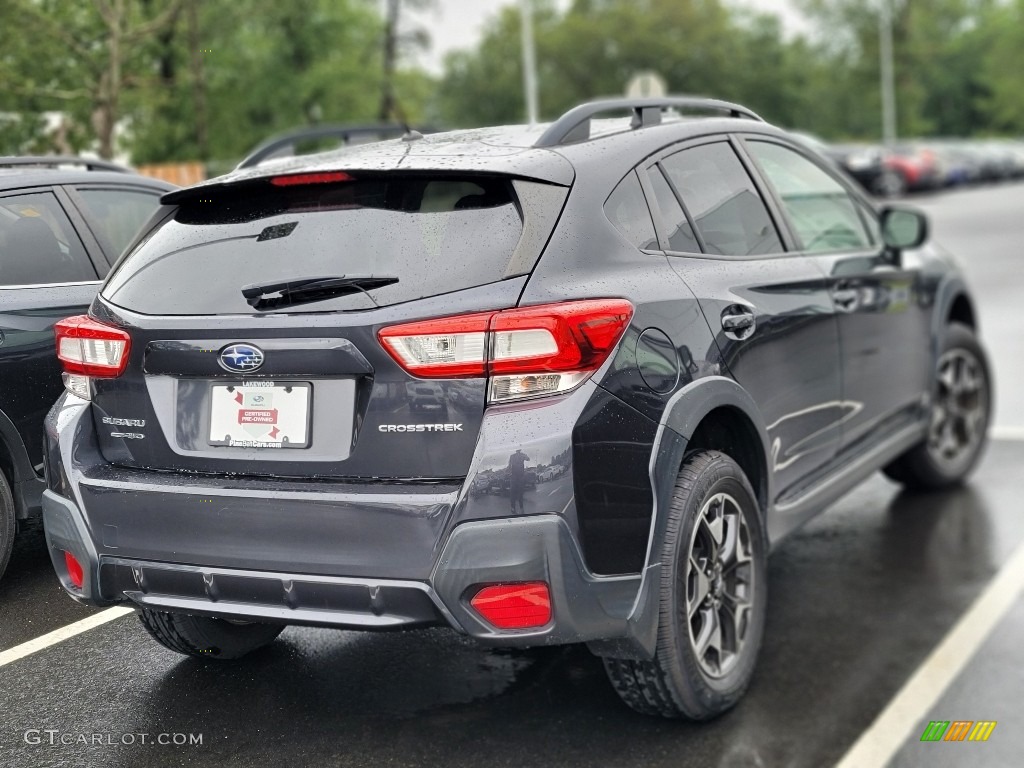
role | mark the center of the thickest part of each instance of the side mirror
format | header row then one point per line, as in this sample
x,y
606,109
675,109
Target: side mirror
x,y
903,228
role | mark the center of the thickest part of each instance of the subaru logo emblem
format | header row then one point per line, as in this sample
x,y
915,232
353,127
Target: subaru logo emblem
x,y
241,358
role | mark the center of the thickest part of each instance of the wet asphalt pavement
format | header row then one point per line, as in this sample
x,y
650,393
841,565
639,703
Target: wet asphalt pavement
x,y
859,598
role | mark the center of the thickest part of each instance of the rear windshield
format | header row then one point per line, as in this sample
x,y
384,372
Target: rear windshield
x,y
433,235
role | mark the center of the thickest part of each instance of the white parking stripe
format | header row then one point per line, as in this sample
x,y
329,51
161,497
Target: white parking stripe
x,y
1006,433
879,743
62,634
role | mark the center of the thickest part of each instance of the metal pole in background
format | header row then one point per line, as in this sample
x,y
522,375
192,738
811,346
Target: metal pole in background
x,y
886,68
529,61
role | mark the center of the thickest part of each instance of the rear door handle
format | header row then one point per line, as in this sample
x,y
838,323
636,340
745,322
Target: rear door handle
x,y
738,322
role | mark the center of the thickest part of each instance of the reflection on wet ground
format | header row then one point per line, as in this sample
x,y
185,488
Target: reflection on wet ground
x,y
858,599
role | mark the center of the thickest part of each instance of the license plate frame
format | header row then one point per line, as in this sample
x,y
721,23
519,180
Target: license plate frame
x,y
237,412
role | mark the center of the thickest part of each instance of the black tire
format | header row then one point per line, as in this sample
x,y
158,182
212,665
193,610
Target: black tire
x,y
677,682
207,638
962,417
8,525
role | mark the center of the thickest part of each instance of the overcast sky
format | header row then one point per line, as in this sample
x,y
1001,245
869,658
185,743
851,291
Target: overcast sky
x,y
459,23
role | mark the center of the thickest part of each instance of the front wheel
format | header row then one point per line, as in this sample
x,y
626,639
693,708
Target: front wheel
x,y
207,638
958,425
713,598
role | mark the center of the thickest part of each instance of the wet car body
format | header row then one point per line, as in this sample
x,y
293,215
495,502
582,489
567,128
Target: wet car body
x,y
390,518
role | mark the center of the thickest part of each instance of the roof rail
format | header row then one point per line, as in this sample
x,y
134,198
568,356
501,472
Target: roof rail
x,y
286,141
574,125
89,163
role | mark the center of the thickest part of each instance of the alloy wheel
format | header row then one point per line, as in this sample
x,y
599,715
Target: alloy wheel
x,y
719,585
960,410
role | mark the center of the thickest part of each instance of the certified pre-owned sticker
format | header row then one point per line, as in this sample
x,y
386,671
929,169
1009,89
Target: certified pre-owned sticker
x,y
419,428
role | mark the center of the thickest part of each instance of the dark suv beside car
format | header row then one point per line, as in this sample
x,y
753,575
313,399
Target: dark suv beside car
x,y
63,222
708,330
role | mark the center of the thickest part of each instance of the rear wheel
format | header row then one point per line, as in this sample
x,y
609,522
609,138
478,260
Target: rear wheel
x,y
8,525
713,597
961,407
205,637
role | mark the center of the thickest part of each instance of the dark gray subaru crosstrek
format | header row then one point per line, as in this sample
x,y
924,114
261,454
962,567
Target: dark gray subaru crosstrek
x,y
541,385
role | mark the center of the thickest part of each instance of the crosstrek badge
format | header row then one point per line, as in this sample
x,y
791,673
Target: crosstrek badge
x,y
419,428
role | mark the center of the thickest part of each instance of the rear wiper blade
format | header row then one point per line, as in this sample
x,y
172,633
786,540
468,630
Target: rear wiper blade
x,y
304,290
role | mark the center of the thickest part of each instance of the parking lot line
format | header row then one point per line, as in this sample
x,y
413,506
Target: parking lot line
x,y
883,739
1006,432
60,635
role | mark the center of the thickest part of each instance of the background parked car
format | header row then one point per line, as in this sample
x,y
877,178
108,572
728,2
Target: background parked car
x,y
917,165
63,223
868,165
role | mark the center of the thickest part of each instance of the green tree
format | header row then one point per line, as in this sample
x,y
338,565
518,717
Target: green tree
x,y
938,58
1001,37
395,40
266,68
699,46
194,80
82,57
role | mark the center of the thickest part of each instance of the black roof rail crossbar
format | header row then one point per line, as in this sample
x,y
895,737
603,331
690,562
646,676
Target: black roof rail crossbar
x,y
89,163
574,125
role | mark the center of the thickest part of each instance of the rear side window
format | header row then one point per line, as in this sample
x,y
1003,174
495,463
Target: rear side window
x,y
435,235
822,212
722,201
38,245
627,210
117,214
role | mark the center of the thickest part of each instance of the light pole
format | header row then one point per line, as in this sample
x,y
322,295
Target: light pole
x,y
886,70
529,60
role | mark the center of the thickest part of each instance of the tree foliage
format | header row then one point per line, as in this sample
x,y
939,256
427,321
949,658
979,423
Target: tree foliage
x,y
957,62
211,80
208,80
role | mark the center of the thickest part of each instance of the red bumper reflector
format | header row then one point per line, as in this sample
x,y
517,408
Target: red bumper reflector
x,y
74,570
514,606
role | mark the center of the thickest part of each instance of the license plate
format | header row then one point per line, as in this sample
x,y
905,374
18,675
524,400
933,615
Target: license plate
x,y
262,414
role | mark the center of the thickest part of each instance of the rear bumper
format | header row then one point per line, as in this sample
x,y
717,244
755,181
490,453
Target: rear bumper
x,y
534,548
371,555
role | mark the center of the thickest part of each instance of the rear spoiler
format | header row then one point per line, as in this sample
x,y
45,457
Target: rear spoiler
x,y
422,156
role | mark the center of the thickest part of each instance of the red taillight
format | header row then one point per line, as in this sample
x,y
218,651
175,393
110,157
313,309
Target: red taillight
x,y
297,179
74,570
527,352
514,606
576,336
90,348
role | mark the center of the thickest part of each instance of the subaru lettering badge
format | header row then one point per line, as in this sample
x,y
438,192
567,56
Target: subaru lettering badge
x,y
241,358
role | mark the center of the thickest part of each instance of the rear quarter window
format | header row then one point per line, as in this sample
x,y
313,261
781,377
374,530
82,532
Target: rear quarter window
x,y
627,209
